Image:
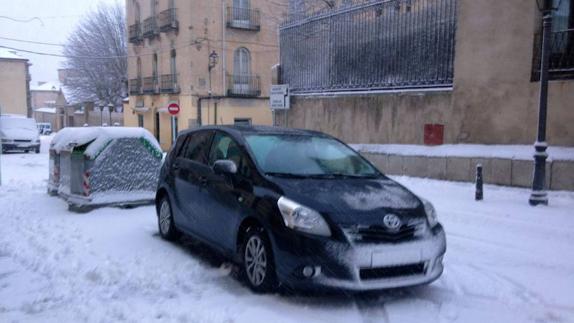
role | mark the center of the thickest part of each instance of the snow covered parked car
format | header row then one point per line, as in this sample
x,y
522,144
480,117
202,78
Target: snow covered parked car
x,y
97,166
19,133
297,208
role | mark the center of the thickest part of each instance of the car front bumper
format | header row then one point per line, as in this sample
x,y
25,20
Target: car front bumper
x,y
20,146
359,267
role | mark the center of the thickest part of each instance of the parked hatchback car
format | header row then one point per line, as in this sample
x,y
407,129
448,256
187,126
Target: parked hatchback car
x,y
298,208
19,133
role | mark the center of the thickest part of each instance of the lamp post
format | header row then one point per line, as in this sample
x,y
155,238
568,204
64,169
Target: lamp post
x,y
213,59
110,109
539,195
101,107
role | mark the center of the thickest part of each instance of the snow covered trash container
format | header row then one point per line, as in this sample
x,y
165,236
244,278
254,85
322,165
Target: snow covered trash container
x,y
100,166
54,177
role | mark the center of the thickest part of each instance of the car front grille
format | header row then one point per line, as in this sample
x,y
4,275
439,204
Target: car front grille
x,y
392,272
377,233
23,141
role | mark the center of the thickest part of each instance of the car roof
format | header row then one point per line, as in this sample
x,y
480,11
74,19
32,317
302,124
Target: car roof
x,y
241,130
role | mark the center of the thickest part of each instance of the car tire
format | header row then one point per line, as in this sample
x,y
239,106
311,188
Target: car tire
x,y
166,225
258,268
37,150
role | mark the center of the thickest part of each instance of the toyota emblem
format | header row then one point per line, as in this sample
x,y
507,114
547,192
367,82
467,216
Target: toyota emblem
x,y
392,222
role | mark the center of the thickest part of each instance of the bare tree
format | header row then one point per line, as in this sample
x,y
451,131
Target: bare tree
x,y
96,54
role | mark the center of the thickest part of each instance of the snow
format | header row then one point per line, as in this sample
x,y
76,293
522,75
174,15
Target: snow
x,y
46,87
10,54
101,136
518,152
505,262
46,110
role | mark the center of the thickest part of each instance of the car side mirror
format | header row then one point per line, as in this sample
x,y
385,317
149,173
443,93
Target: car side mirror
x,y
225,167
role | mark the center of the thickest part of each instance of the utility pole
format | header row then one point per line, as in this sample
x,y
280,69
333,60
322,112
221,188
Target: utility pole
x,y
1,148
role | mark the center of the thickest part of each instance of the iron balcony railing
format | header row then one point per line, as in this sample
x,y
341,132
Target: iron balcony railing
x,y
150,28
168,20
561,55
243,85
150,85
243,18
379,45
135,86
135,33
169,83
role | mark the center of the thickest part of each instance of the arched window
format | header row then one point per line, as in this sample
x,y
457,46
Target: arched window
x,y
137,10
172,62
241,70
242,62
245,4
154,66
152,7
241,10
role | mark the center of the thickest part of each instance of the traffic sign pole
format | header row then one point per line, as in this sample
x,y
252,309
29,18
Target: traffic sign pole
x,y
173,109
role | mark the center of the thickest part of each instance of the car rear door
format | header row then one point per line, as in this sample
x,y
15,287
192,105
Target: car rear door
x,y
190,173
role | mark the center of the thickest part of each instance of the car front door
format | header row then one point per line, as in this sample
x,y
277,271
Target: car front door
x,y
230,195
191,172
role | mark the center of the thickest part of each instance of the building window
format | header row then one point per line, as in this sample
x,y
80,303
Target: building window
x,y
175,128
242,121
140,121
152,7
139,68
157,125
241,69
172,62
137,11
154,66
561,44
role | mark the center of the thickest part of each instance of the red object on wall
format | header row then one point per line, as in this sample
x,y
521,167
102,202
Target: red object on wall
x,y
434,134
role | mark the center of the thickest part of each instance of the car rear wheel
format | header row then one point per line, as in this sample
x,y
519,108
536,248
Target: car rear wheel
x,y
166,225
258,267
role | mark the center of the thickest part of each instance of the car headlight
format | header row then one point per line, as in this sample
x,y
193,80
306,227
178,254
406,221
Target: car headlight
x,y
301,218
431,213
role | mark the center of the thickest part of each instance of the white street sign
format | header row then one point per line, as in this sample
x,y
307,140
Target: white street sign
x,y
279,97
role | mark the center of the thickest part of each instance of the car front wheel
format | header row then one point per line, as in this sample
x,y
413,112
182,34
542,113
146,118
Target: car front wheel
x,y
166,225
258,266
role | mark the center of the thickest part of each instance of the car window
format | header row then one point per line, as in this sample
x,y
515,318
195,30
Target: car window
x,y
306,155
197,146
224,147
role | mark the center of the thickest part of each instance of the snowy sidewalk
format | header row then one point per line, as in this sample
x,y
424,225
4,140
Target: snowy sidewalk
x,y
506,262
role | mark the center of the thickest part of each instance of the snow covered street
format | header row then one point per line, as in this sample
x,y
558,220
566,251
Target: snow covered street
x,y
505,262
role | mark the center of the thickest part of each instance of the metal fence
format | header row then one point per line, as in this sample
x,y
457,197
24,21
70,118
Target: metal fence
x,y
388,44
561,55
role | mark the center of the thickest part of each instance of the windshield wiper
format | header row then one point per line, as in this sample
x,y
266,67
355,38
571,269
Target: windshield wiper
x,y
285,175
339,175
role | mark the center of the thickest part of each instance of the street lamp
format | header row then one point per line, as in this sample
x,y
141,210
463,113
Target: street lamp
x,y
101,107
539,195
213,58
110,109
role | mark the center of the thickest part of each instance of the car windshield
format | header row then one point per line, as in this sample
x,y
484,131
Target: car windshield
x,y
307,156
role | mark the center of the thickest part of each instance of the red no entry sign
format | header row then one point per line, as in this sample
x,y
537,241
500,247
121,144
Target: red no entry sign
x,y
173,108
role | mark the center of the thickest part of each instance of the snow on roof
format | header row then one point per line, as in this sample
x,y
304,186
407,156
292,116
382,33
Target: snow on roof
x,y
68,138
46,110
517,152
68,95
48,86
10,54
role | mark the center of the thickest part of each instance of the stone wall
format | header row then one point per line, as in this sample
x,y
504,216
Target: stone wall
x,y
499,171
